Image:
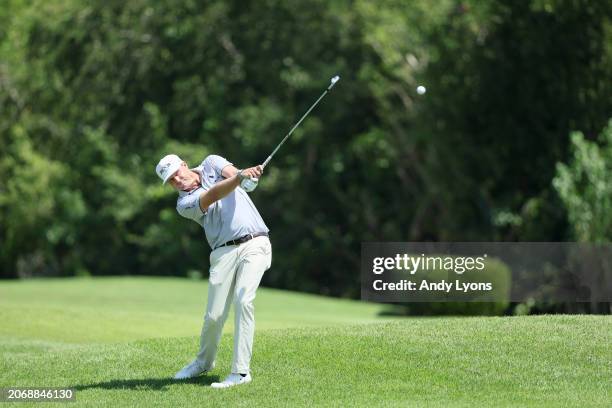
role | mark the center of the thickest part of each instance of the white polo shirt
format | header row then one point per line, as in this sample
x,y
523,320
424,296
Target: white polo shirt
x,y
229,218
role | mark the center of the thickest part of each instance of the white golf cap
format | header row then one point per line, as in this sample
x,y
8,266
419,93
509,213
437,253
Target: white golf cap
x,y
167,166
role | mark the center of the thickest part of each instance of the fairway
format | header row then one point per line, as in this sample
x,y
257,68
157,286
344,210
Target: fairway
x,y
118,341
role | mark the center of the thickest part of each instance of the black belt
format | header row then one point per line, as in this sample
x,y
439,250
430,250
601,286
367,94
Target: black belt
x,y
244,239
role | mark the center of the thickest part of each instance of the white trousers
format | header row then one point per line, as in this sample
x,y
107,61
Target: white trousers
x,y
235,273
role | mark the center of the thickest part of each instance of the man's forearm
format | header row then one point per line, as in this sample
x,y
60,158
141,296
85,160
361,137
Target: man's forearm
x,y
218,191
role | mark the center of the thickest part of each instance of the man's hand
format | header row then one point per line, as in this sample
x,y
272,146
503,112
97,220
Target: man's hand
x,y
233,178
249,178
252,172
230,171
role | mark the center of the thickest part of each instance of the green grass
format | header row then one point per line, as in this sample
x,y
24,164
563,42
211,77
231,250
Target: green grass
x,y
118,342
123,309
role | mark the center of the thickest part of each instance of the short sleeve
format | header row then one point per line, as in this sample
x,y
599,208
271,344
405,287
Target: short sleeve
x,y
217,163
189,207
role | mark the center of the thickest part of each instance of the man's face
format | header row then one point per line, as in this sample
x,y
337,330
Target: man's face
x,y
183,179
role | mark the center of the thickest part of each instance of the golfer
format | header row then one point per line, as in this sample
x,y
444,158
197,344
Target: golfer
x,y
241,252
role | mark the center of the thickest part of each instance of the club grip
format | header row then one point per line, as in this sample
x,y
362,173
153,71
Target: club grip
x,y
249,184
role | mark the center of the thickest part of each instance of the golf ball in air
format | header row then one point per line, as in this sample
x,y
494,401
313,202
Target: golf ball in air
x,y
421,89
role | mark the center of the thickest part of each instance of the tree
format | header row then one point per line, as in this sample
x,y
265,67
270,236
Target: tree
x,y
585,187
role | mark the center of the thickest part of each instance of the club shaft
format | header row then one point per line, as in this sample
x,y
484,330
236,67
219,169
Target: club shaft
x,y
296,125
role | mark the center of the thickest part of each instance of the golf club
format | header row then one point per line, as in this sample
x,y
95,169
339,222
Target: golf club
x,y
250,184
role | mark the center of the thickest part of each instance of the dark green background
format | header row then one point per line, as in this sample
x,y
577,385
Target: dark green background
x,y
93,93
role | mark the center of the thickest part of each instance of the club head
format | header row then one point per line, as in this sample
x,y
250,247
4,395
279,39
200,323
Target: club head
x,y
333,82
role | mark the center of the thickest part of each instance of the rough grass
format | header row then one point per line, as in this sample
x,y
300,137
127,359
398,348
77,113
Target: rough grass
x,y
119,341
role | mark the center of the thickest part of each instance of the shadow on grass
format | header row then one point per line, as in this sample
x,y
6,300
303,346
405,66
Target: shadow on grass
x,y
445,309
158,384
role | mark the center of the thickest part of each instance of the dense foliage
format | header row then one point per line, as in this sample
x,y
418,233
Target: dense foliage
x,y
93,93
